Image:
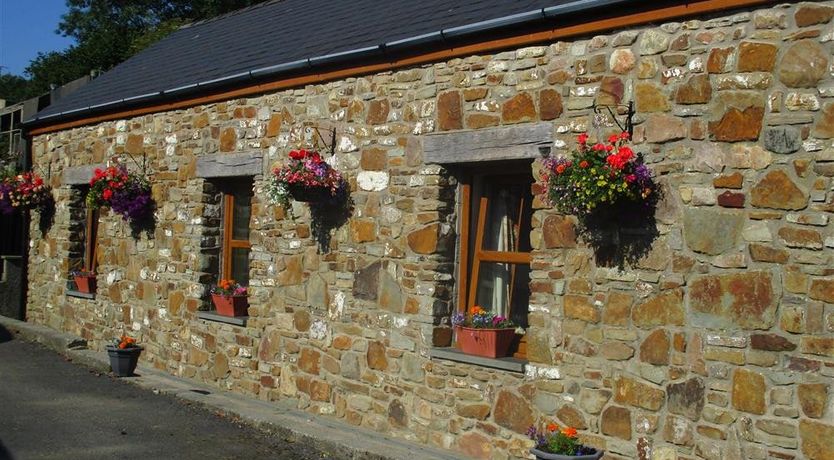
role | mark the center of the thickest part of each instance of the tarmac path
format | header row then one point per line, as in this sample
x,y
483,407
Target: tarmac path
x,y
53,409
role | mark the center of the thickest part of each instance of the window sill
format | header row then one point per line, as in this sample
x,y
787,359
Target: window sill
x,y
79,294
213,316
454,354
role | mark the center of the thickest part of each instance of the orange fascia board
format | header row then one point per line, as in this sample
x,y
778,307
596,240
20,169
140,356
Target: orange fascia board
x,y
587,28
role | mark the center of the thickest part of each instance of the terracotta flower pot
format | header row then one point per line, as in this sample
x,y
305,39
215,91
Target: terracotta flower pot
x,y
491,343
542,455
123,360
309,194
85,284
231,305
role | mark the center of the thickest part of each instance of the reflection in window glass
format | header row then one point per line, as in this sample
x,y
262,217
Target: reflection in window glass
x,y
240,265
505,289
241,214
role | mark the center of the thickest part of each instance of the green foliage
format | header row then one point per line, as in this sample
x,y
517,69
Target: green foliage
x,y
106,33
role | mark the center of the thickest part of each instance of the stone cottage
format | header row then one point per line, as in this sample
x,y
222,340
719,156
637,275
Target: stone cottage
x,y
717,342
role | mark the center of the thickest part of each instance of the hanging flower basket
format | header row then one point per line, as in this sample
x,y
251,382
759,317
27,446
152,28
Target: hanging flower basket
x,y
484,333
126,193
599,182
23,191
306,177
311,194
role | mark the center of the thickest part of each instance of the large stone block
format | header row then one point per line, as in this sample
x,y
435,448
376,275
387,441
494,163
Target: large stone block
x,y
749,390
655,349
813,399
687,398
803,64
616,421
512,412
816,440
558,232
738,300
663,309
776,190
634,393
711,231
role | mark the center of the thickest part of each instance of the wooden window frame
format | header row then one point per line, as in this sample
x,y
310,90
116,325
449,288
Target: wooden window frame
x,y
90,261
230,243
467,278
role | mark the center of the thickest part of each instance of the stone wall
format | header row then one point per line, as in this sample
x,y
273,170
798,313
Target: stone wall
x,y
718,343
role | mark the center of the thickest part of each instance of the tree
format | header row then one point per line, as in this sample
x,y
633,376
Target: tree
x,y
14,88
107,32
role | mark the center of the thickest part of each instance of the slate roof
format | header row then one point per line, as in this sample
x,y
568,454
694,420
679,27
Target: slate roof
x,y
279,32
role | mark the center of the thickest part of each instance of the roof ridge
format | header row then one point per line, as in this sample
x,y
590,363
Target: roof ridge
x,y
230,13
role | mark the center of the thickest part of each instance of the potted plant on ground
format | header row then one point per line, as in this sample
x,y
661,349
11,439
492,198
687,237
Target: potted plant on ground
x,y
484,333
85,281
124,355
553,443
229,298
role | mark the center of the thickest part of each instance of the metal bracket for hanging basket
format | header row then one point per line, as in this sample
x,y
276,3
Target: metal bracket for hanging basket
x,y
628,123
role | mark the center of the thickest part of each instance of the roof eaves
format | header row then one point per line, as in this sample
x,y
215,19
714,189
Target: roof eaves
x,y
423,39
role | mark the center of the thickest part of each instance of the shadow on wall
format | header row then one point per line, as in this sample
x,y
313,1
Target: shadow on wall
x,y
621,234
328,215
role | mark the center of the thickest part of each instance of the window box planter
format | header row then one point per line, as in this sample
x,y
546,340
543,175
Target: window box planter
x,y
230,305
490,343
123,361
85,284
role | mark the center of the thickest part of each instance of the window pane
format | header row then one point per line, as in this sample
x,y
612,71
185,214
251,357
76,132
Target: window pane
x,y
507,225
240,265
504,289
240,217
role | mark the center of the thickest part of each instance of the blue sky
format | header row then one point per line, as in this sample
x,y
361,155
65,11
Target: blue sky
x,y
27,27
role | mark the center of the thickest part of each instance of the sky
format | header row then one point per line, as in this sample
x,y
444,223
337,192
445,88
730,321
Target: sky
x,y
26,28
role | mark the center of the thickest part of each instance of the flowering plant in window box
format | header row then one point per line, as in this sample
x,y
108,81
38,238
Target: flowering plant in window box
x,y
124,355
85,281
305,177
484,333
230,298
126,193
23,191
553,443
598,178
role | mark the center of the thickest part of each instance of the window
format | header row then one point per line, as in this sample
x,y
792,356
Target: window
x,y
494,260
237,209
83,248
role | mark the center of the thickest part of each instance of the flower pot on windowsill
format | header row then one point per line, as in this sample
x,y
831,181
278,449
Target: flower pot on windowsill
x,y
230,305
123,360
310,194
489,343
542,455
85,284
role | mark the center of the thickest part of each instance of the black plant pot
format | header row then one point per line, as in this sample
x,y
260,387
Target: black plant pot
x,y
123,361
